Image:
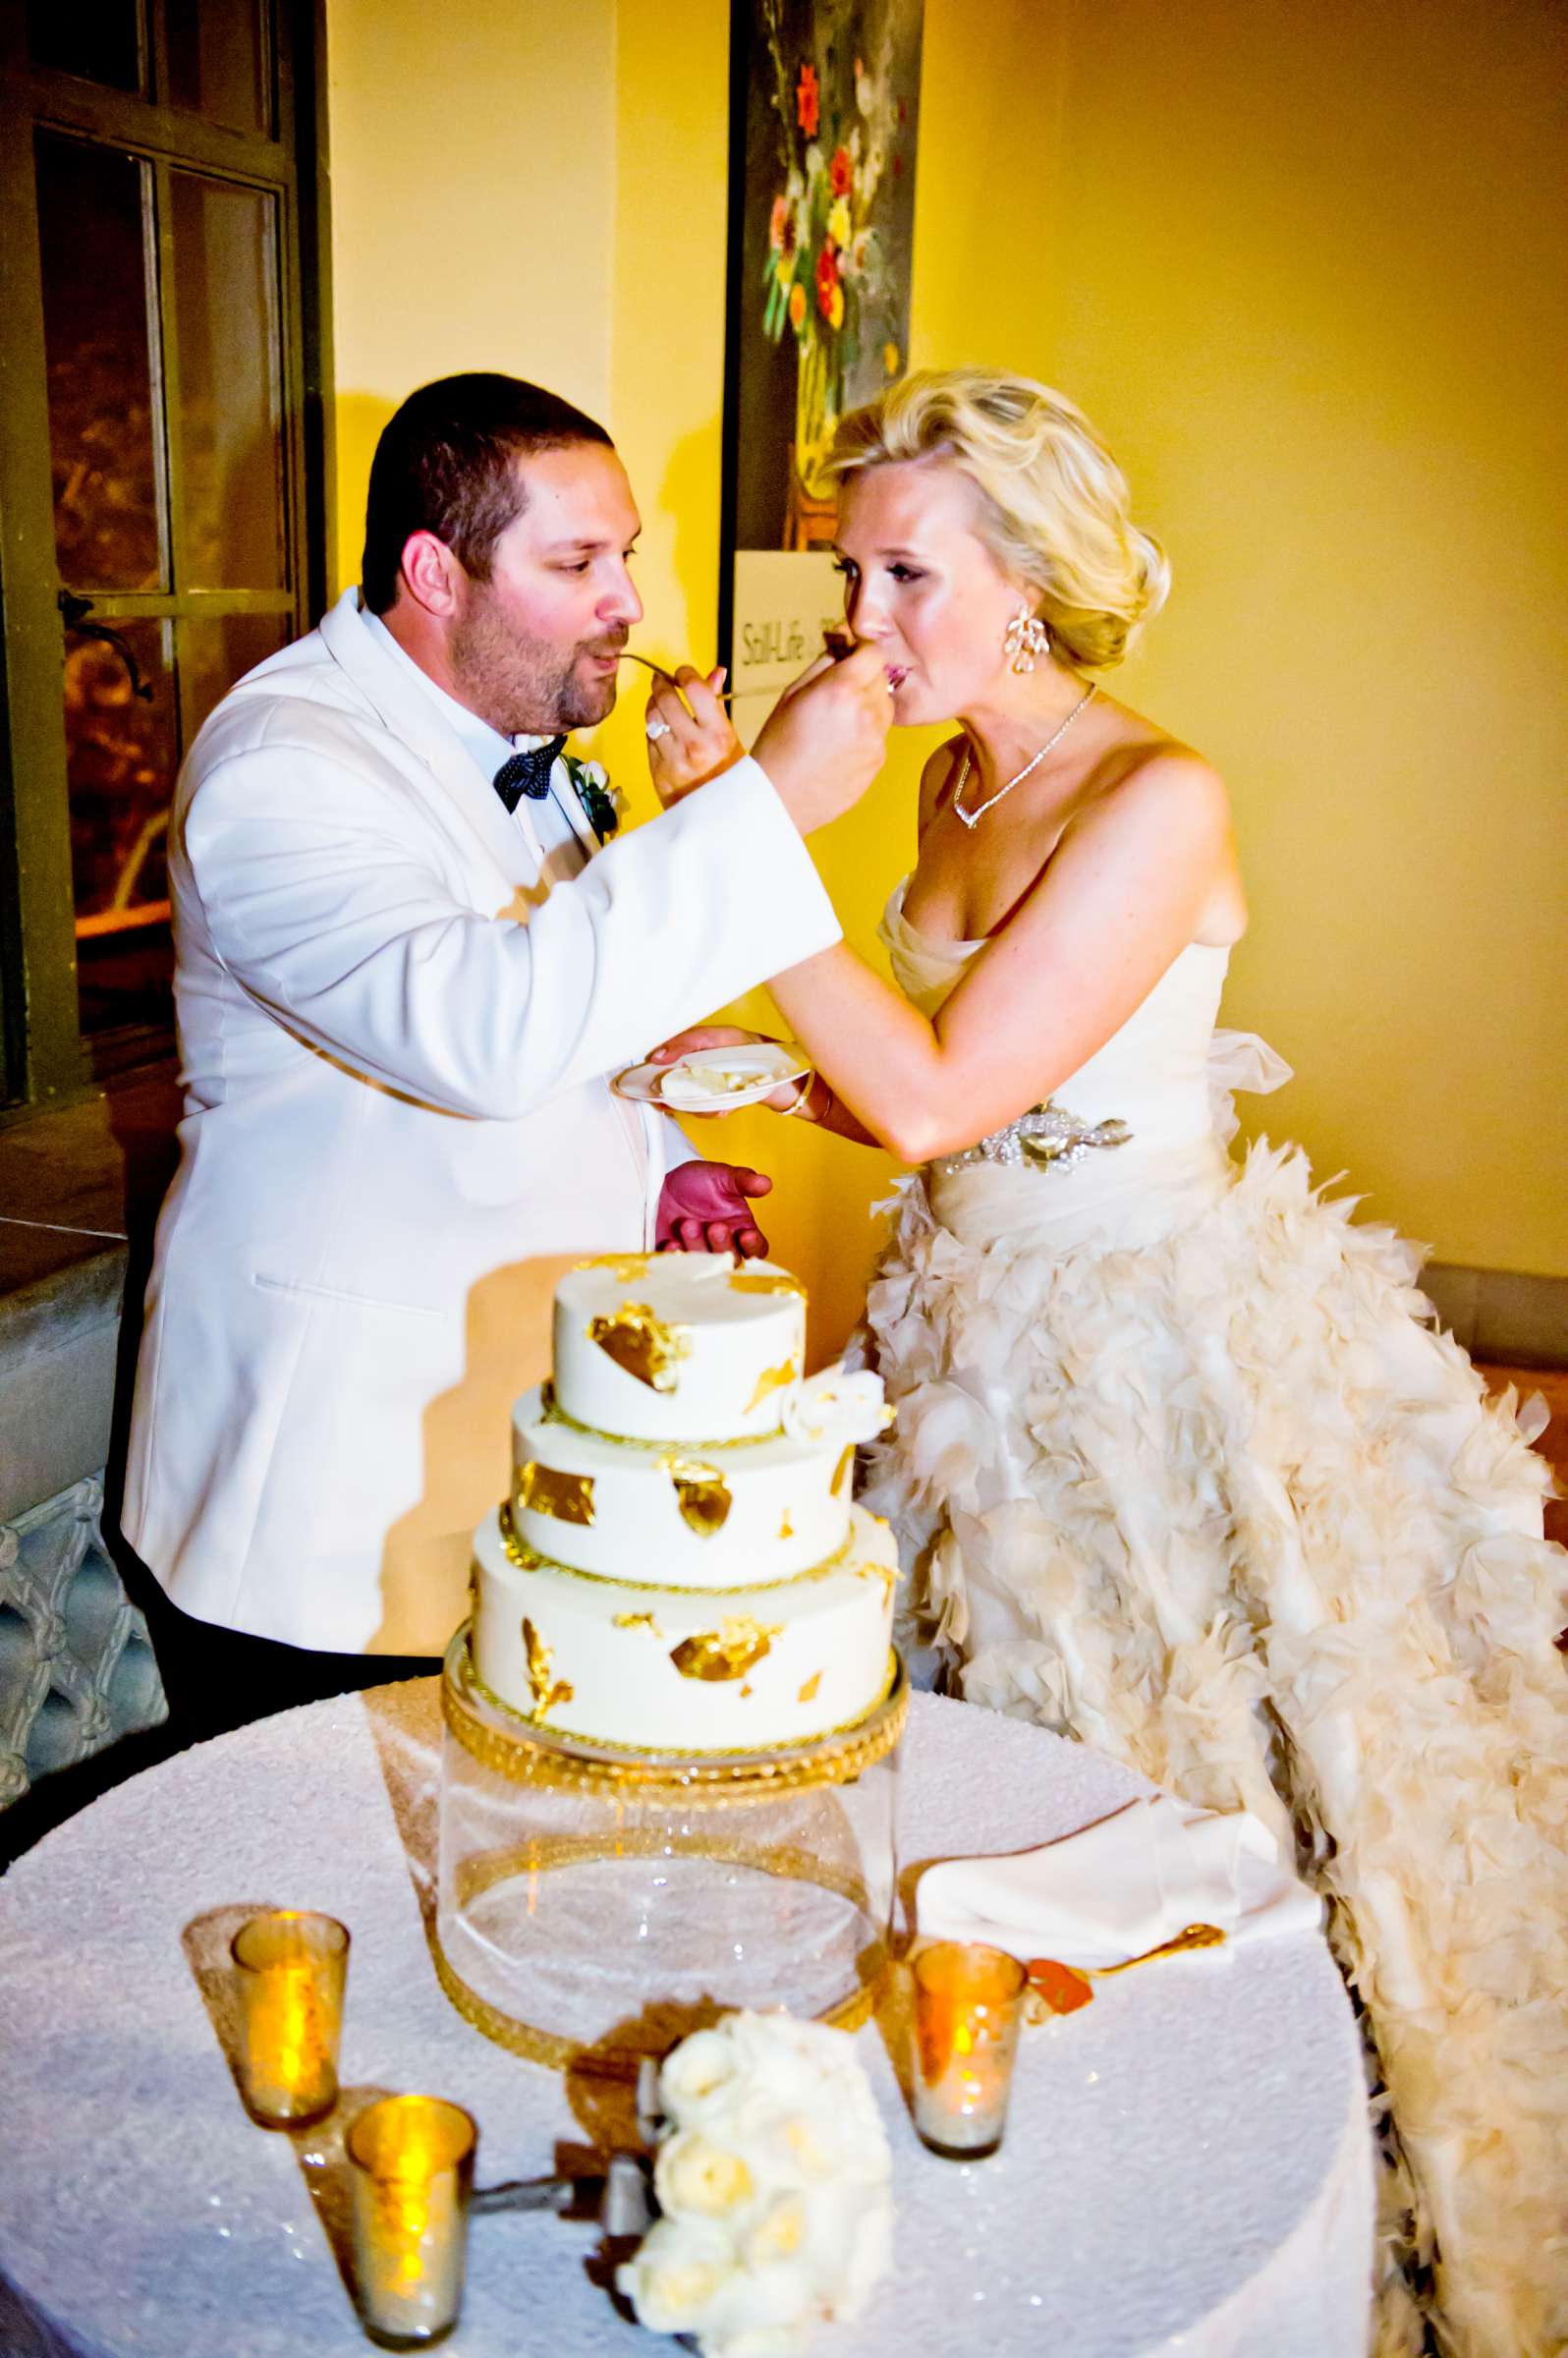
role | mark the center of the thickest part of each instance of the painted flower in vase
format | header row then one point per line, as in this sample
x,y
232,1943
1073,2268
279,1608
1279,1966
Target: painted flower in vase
x,y
828,279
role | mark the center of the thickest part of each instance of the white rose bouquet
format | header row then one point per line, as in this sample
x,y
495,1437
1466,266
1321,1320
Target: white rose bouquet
x,y
773,2184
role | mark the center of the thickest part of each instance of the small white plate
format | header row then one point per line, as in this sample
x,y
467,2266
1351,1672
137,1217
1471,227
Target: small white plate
x,y
755,1071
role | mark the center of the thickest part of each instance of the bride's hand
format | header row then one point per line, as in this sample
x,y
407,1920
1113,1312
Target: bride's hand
x,y
689,735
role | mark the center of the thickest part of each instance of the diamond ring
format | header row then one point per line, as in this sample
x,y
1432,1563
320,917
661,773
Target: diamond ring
x,y
654,729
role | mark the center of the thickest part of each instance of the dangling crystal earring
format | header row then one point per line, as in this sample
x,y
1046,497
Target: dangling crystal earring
x,y
1025,637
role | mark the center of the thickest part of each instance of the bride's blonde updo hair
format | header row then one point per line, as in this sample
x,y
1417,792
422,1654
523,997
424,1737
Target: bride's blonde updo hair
x,y
1052,502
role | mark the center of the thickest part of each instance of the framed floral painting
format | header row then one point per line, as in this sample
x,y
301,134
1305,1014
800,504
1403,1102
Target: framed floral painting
x,y
823,120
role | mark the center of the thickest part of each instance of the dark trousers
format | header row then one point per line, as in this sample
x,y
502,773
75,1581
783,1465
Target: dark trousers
x,y
215,1679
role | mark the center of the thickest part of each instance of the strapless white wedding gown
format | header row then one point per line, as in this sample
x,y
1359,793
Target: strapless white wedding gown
x,y
1182,1468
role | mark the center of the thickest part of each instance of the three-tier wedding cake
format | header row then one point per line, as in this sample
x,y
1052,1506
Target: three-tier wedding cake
x,y
679,1567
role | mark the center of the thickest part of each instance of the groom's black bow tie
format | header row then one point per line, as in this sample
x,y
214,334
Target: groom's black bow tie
x,y
528,773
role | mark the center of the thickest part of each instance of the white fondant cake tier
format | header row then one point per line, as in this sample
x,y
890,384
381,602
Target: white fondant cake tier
x,y
678,1671
680,1346
725,1517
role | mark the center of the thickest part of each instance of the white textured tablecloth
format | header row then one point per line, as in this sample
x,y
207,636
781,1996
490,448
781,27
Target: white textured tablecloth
x,y
1186,2166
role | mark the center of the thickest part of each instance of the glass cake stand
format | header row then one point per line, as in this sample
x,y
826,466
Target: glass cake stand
x,y
595,1905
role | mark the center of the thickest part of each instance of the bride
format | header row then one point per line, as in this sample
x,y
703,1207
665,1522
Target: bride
x,y
1180,1468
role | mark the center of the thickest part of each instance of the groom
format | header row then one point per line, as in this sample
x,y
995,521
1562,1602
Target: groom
x,y
405,972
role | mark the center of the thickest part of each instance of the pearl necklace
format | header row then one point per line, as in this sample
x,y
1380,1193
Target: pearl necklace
x,y
969,817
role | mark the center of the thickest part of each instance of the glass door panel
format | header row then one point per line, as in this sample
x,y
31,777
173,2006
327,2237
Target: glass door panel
x,y
99,39
122,751
229,416
217,650
218,62
94,209
170,250
122,754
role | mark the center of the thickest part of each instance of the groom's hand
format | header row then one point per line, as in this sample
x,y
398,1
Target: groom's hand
x,y
706,1036
706,1207
690,737
825,739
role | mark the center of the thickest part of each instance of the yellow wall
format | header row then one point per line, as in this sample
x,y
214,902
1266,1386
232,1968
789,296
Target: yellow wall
x,y
1306,268
473,191
1298,267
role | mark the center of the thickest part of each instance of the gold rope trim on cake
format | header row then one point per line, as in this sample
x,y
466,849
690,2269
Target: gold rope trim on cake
x,y
524,1558
526,1755
553,1412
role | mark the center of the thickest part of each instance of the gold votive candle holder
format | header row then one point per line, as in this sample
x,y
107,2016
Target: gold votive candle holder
x,y
413,2159
291,1966
969,2004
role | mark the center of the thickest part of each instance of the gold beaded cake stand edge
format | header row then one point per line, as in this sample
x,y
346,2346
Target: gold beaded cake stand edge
x,y
514,1748
585,2056
499,1741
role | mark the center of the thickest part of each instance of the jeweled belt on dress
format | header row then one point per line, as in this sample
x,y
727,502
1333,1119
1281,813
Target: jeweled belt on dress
x,y
1048,1138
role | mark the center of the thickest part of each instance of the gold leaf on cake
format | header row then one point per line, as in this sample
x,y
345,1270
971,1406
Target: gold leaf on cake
x,y
474,1592
807,1693
627,1266
842,1471
642,1345
785,1530
766,1282
639,1621
887,1574
701,1492
771,1379
737,1646
547,1693
547,1490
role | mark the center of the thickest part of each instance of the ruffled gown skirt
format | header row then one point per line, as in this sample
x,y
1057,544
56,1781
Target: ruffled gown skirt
x,y
1182,1468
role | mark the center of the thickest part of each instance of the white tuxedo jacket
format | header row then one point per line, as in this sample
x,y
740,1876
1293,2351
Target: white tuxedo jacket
x,y
398,1131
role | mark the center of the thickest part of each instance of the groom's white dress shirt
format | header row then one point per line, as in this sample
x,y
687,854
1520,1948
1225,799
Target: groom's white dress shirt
x,y
397,1015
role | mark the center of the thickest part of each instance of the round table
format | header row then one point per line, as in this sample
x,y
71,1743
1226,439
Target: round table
x,y
1186,2166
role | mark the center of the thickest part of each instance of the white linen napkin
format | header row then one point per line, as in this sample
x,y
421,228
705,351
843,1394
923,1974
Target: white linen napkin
x,y
1120,1887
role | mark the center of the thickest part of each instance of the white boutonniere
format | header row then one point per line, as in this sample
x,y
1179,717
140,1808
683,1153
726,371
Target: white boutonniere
x,y
773,2181
603,804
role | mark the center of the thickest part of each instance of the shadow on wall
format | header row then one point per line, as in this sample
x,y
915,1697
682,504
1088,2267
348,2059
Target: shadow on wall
x,y
358,421
677,580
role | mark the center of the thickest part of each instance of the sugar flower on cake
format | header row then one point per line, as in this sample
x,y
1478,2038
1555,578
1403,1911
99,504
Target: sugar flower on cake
x,y
837,1406
773,2185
